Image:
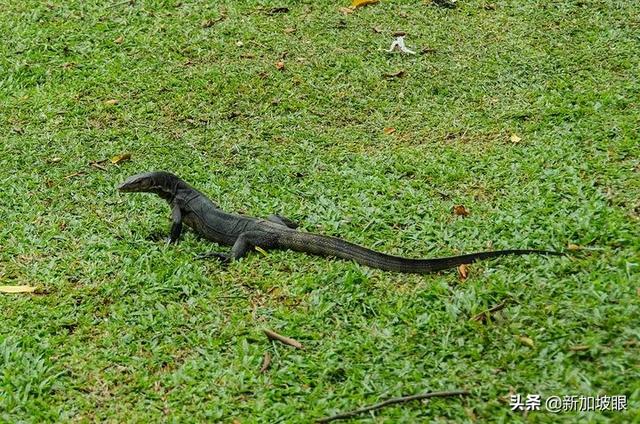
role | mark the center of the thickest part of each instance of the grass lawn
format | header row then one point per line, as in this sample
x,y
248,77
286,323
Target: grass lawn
x,y
527,113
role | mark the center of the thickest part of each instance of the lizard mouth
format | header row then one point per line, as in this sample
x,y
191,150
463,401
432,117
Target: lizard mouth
x,y
124,186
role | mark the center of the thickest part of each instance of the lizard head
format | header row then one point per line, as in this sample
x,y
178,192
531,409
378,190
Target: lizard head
x,y
160,183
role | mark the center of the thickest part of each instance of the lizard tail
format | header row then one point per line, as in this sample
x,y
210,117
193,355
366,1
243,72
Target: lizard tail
x,y
330,246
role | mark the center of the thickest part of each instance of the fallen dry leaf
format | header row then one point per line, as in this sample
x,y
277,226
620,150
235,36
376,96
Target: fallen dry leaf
x,y
98,165
460,210
572,246
389,130
463,271
117,159
360,3
345,10
266,362
119,40
75,174
427,50
272,335
111,102
515,139
482,316
280,65
397,74
527,341
239,44
17,289
289,30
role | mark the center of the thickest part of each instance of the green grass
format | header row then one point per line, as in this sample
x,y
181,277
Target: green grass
x,y
124,328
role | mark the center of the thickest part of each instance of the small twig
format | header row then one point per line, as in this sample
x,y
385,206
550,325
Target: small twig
x,y
483,315
282,339
75,174
266,362
98,164
392,401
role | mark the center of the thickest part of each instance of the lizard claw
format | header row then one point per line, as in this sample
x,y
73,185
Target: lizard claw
x,y
222,257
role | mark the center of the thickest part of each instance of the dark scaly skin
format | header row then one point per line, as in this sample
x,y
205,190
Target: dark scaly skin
x,y
243,233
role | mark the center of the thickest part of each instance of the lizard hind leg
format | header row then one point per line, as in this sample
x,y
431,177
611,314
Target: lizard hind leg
x,y
283,221
243,245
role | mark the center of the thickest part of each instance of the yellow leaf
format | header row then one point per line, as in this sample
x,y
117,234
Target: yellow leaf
x,y
389,130
17,289
111,102
119,40
572,246
280,65
515,139
463,271
261,250
359,3
345,10
526,341
120,158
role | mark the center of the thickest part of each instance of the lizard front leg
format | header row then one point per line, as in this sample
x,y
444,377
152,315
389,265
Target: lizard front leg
x,y
176,225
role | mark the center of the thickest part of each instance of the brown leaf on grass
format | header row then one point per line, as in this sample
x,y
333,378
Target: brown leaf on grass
x,y
490,6
515,139
272,335
266,362
572,246
427,50
397,74
111,102
361,3
280,65
119,40
463,271
345,10
289,30
17,289
389,130
118,159
376,30
460,210
527,341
